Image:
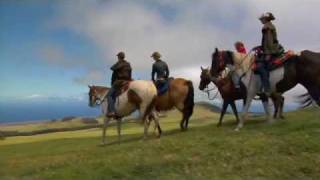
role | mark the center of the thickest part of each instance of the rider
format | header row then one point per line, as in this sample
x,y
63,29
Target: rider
x,y
160,68
230,68
240,47
121,72
270,48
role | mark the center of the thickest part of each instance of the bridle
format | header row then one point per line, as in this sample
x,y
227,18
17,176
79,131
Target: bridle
x,y
207,91
99,100
221,60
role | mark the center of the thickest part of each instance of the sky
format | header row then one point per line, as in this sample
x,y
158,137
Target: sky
x,y
54,49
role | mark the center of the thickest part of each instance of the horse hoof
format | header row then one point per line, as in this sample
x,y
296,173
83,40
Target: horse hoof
x,y
218,125
237,129
183,129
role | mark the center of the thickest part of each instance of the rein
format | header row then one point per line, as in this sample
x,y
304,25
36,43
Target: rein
x,y
207,90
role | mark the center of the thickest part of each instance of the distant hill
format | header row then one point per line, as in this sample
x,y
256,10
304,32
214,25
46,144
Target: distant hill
x,y
209,106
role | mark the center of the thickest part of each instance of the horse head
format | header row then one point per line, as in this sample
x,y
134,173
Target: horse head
x,y
96,94
219,61
205,78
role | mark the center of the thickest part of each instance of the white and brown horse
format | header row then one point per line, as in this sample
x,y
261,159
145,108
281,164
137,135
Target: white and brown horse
x,y
179,95
140,95
303,69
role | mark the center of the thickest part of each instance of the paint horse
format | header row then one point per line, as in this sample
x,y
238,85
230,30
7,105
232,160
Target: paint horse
x,y
139,95
303,69
180,94
230,94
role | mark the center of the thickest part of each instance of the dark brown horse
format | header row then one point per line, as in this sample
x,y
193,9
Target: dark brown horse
x,y
303,69
230,94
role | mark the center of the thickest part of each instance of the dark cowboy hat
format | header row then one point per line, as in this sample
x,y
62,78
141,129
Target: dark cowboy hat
x,y
268,16
121,55
156,54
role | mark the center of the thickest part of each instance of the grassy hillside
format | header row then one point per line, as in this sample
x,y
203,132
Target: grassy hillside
x,y
285,149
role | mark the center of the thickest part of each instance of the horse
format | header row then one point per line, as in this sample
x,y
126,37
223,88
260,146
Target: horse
x,y
303,68
230,94
180,94
139,95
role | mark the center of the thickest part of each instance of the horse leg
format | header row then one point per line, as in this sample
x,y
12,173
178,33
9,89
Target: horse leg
x,y
147,110
105,124
234,109
157,124
281,108
119,130
245,111
265,102
276,106
186,114
182,123
224,108
146,127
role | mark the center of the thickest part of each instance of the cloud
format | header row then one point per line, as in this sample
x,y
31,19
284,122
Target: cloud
x,y
35,96
91,72
91,77
43,97
184,32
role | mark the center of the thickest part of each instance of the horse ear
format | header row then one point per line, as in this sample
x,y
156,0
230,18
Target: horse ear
x,y
89,86
216,50
201,68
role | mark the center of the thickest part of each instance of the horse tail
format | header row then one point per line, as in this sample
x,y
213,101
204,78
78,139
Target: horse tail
x,y
189,101
305,100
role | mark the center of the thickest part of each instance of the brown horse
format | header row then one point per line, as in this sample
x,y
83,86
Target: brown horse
x,y
230,94
180,95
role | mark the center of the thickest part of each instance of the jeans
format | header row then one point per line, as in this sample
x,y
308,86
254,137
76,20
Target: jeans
x,y
234,76
111,100
262,70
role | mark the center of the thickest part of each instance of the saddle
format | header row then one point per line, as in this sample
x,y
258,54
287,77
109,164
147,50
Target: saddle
x,y
276,62
279,61
163,85
121,87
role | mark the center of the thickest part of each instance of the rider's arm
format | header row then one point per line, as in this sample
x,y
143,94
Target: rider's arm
x,y
167,71
153,72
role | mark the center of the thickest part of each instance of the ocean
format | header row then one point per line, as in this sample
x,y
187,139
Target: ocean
x,y
25,111
14,112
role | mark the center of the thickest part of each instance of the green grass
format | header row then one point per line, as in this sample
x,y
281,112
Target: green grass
x,y
286,149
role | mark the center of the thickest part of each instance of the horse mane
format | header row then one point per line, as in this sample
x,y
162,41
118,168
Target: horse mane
x,y
101,87
227,55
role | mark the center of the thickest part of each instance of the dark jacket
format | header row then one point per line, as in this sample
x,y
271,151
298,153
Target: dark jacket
x,y
161,69
269,44
121,71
